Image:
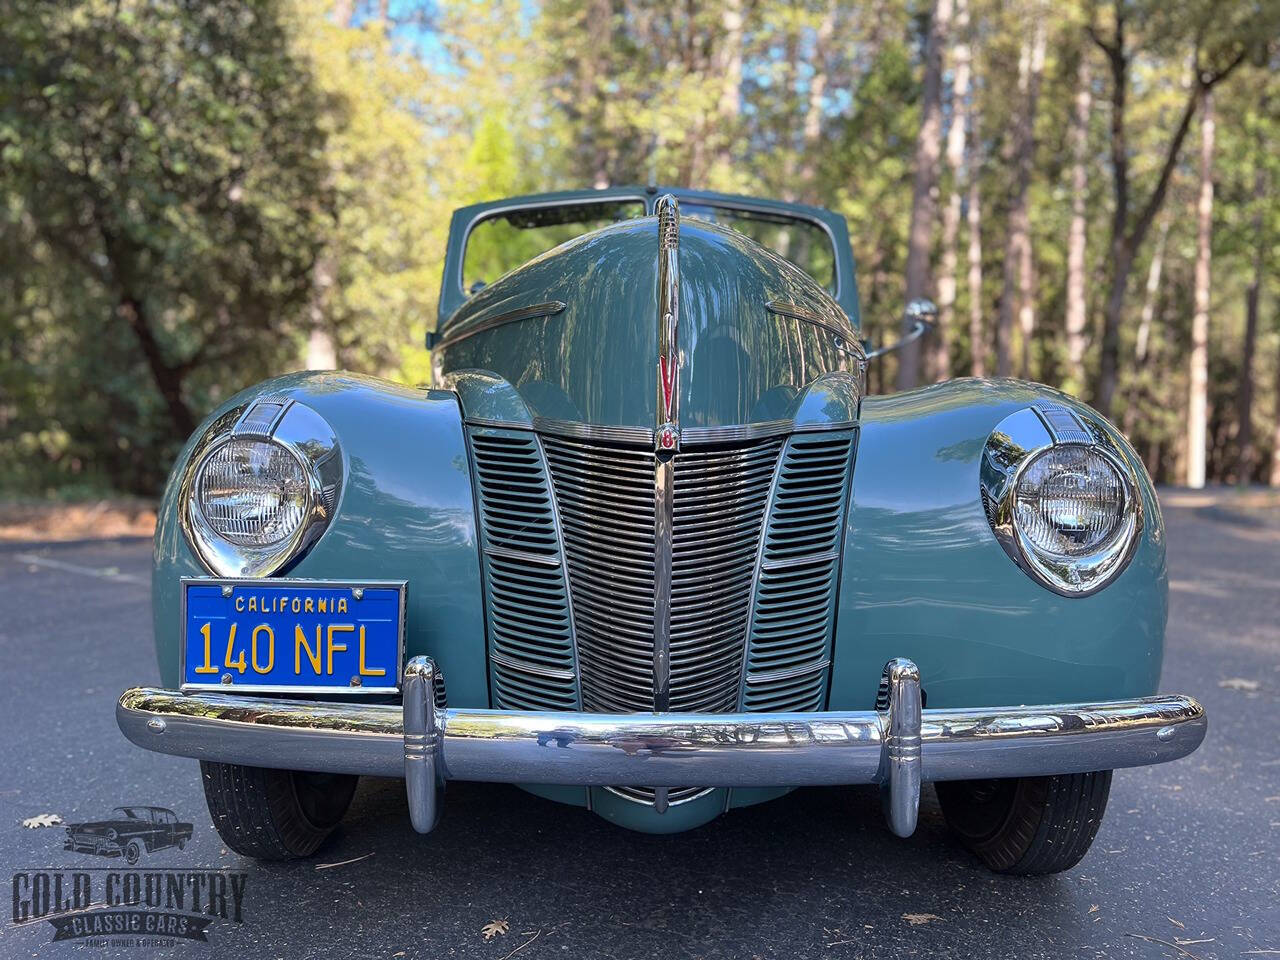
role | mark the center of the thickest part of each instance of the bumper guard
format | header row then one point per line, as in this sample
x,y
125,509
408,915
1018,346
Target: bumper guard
x,y
899,747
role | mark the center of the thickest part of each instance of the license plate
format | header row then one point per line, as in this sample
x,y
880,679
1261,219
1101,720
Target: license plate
x,y
292,636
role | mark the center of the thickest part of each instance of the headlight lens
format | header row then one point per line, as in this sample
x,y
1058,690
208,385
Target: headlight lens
x,y
1061,498
1069,503
253,493
260,488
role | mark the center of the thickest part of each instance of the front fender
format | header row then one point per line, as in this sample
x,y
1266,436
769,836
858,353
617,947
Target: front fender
x,y
406,511
923,576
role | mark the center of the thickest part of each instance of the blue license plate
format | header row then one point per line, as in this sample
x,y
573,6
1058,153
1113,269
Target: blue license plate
x,y
296,636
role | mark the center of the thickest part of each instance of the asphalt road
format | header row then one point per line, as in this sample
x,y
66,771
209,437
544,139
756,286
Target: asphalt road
x,y
1189,853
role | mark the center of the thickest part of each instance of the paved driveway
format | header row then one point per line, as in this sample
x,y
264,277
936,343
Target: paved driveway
x,y
1189,853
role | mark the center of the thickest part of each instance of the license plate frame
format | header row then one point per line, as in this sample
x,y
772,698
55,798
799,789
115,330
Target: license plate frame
x,y
238,686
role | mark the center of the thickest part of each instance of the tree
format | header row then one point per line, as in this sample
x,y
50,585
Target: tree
x,y
170,152
1197,403
925,182
973,220
939,365
1077,318
1017,295
1127,234
1248,454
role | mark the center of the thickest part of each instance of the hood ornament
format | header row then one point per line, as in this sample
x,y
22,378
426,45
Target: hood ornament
x,y
667,434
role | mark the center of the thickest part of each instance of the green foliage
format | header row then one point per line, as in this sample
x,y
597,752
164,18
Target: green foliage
x,y
189,192
164,172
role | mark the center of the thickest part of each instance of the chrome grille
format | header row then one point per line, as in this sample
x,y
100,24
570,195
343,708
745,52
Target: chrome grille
x,y
606,503
568,534
789,647
531,648
720,499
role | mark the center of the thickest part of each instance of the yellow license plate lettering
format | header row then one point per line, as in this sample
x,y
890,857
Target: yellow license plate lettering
x,y
337,628
238,663
299,644
207,666
365,671
271,648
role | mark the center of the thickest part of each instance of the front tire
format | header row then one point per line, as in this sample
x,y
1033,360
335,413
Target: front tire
x,y
132,852
274,814
1027,825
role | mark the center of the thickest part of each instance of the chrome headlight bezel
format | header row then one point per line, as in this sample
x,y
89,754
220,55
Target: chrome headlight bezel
x,y
1018,441
309,440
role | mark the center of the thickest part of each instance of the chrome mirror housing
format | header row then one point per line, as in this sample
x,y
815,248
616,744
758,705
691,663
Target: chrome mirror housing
x,y
922,316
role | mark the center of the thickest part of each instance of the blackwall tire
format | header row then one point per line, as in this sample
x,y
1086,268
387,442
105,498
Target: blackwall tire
x,y
274,814
1027,825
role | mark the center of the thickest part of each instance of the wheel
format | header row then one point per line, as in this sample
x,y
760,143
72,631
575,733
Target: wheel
x,y
274,814
1027,825
132,852
182,844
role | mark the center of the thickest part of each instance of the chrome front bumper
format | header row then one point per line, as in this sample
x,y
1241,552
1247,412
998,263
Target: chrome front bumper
x,y
899,747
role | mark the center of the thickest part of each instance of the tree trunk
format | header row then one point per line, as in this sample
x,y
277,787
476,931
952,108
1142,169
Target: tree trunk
x,y
1143,348
167,378
730,105
939,364
1198,401
1248,456
1127,239
924,184
973,219
1077,305
812,129
1275,435
1017,293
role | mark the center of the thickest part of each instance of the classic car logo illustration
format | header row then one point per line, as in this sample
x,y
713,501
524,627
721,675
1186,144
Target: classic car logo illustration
x,y
129,833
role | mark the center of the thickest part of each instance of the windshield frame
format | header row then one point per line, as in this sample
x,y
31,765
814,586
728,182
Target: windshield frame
x,y
497,213
453,294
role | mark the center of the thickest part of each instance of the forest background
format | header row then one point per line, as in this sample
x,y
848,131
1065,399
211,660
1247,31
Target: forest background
x,y
194,196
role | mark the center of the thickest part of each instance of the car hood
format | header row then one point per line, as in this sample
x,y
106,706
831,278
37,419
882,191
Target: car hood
x,y
575,333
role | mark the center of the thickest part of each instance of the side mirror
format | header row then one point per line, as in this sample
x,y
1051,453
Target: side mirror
x,y
922,315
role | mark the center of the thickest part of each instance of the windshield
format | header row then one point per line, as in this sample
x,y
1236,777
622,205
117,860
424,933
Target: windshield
x,y
132,813
802,242
504,241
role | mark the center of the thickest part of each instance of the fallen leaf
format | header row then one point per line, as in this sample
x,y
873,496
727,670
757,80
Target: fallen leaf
x,y
1094,908
42,820
494,928
1177,923
1239,683
919,919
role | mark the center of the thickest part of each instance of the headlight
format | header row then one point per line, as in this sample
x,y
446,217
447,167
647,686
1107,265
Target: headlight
x,y
260,488
1060,499
253,493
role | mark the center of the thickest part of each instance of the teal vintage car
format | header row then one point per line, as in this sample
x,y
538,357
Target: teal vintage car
x,y
646,546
